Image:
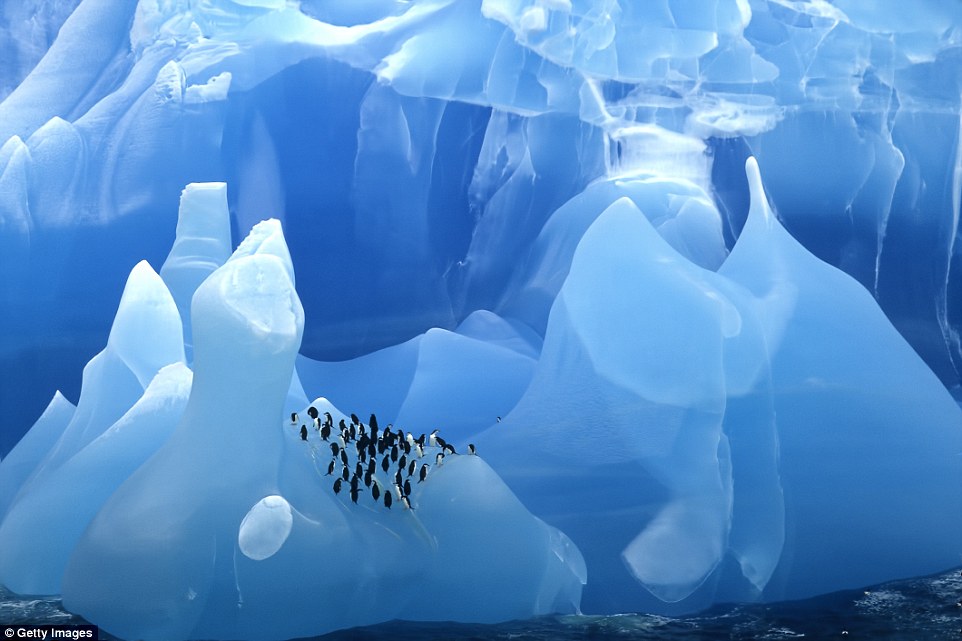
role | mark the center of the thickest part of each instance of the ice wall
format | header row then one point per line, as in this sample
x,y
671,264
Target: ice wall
x,y
527,211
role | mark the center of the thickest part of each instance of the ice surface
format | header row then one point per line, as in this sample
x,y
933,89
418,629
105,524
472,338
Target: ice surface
x,y
528,223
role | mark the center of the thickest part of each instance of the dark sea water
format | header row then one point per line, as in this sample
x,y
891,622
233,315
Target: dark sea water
x,y
912,609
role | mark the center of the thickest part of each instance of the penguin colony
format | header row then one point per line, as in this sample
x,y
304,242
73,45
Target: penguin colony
x,y
385,463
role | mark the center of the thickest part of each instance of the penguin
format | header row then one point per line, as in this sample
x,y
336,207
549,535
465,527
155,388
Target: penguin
x,y
413,466
439,459
409,439
330,468
371,449
303,432
375,491
407,447
419,450
355,420
312,411
352,431
373,422
293,418
344,473
368,477
341,424
344,457
420,440
326,431
449,448
394,453
355,483
433,439
407,503
499,419
440,442
317,424
340,441
328,419
385,464
387,500
407,487
334,449
402,462
337,486
372,466
423,474
471,449
398,479
397,491
359,469
354,492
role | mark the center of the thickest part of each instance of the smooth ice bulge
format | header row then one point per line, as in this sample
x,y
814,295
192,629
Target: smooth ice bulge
x,y
232,515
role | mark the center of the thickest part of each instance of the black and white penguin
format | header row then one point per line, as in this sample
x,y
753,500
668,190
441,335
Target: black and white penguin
x,y
342,425
423,474
312,411
372,449
413,466
325,431
419,440
317,423
398,479
368,477
373,422
397,491
355,482
329,419
355,420
352,431
337,486
433,439
406,447
440,442
375,491
330,468
402,462
354,492
387,500
359,469
344,457
372,466
471,449
345,474
303,432
407,503
335,448
419,450
293,418
439,459
449,448
394,454
385,464
407,487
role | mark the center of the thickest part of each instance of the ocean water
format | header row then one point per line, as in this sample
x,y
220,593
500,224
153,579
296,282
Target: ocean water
x,y
919,609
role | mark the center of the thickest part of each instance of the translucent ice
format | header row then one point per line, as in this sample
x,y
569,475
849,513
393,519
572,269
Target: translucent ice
x,y
524,222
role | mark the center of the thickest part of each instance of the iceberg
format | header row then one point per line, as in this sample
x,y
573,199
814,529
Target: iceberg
x,y
675,282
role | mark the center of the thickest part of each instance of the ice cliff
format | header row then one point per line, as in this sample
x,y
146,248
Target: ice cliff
x,y
685,272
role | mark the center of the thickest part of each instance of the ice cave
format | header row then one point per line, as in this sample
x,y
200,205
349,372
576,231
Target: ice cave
x,y
474,310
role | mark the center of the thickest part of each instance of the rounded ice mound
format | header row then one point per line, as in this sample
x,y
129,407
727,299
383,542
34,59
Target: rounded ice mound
x,y
265,528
